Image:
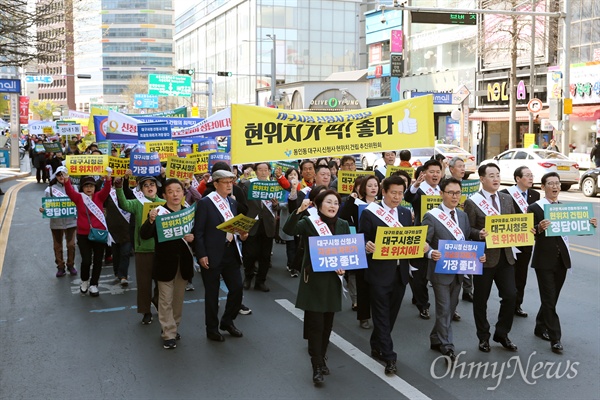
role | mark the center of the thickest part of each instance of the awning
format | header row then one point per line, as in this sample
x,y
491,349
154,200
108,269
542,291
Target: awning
x,y
522,116
586,113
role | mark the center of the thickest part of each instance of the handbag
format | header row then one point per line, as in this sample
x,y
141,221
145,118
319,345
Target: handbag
x,y
96,235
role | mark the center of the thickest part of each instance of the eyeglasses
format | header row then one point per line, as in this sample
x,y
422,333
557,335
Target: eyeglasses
x,y
149,185
552,184
453,194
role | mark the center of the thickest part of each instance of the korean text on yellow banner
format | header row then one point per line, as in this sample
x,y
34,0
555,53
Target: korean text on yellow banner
x,y
200,161
119,166
268,134
399,243
87,164
346,180
180,168
147,208
409,170
429,203
164,148
239,223
509,230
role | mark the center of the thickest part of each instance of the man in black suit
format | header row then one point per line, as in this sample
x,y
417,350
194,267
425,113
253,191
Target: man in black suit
x,y
218,255
499,265
258,246
389,158
523,195
442,223
551,259
387,279
425,184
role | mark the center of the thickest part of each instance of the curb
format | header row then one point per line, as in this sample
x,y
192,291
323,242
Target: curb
x,y
13,177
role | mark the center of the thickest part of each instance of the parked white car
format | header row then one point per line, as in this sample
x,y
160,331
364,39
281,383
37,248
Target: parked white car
x,y
367,160
539,162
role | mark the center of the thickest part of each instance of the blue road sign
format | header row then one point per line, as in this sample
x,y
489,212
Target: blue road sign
x,y
39,79
145,101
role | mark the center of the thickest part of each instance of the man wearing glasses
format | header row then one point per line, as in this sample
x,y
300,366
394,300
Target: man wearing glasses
x,y
523,195
499,265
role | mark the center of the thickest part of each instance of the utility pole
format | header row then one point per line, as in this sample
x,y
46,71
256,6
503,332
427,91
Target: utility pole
x,y
273,68
532,65
208,93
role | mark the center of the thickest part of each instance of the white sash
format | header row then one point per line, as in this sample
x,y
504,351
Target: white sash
x,y
94,209
517,196
312,211
140,196
382,170
320,226
163,211
269,206
56,192
448,223
195,182
306,190
113,196
483,204
428,190
383,215
542,203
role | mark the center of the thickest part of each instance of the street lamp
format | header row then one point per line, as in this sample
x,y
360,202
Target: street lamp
x,y
273,67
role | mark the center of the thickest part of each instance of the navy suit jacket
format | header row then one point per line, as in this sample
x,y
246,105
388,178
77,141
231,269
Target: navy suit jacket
x,y
382,272
210,241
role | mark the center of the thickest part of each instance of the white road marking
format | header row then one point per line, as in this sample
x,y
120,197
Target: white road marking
x,y
369,363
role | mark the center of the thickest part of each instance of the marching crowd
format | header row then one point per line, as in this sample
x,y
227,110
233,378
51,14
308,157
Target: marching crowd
x,y
111,222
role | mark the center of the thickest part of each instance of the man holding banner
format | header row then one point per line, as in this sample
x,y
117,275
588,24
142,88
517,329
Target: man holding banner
x,y
387,279
499,265
446,222
551,260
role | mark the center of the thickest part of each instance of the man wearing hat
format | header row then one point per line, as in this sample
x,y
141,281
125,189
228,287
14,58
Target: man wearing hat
x,y
146,192
62,227
218,254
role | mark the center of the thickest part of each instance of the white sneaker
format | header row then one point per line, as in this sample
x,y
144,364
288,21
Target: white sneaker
x,y
83,288
94,292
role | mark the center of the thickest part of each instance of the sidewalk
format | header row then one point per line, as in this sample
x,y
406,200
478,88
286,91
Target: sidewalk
x,y
9,174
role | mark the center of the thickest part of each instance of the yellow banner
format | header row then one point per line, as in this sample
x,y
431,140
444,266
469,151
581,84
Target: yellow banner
x,y
409,170
239,223
267,134
399,243
147,208
528,140
509,230
95,111
346,180
201,161
87,164
429,203
180,168
164,148
119,166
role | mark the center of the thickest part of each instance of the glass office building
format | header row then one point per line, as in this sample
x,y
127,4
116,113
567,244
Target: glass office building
x,y
313,39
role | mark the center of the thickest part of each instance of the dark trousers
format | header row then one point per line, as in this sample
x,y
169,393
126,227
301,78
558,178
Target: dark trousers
x,y
363,297
385,305
257,248
42,174
550,282
121,253
521,269
317,329
91,252
446,300
143,277
290,252
57,238
229,269
418,284
503,275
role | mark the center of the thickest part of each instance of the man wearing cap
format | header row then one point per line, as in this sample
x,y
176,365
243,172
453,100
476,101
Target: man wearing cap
x,y
219,255
144,249
62,227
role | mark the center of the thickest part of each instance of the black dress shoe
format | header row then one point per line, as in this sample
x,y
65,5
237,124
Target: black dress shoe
x,y
215,336
519,312
247,283
456,317
424,314
390,367
261,286
484,345
556,347
376,354
467,297
324,368
318,375
435,346
542,335
233,331
506,343
450,357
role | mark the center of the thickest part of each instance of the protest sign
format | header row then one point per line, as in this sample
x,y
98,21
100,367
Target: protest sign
x,y
118,165
87,164
52,147
164,148
569,219
391,169
201,161
216,157
58,207
429,203
180,168
149,206
150,131
333,252
265,190
143,164
509,230
175,225
460,257
346,180
239,223
399,243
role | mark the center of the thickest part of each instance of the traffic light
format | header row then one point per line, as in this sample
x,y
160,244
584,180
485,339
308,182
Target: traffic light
x,y
224,73
185,71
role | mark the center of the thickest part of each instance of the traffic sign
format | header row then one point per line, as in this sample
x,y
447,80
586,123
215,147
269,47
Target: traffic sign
x,y
535,105
145,101
170,85
39,79
460,94
443,18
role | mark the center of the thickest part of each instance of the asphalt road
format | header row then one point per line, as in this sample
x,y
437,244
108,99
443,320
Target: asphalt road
x,y
57,344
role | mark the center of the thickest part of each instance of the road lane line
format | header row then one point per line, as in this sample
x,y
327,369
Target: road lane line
x,y
7,210
123,308
369,363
